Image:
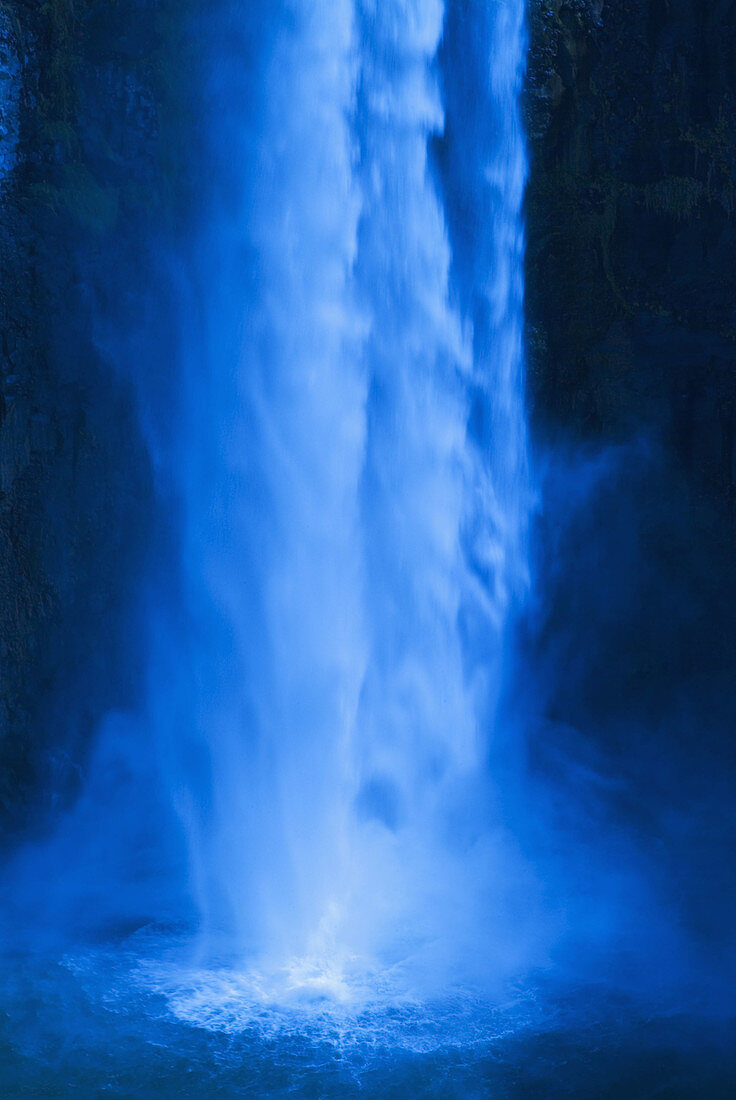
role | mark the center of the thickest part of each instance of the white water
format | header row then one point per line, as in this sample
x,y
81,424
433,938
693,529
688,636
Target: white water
x,y
354,529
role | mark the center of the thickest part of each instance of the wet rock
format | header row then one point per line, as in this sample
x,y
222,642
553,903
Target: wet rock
x,y
631,218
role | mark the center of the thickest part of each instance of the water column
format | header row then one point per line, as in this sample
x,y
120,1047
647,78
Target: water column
x,y
353,479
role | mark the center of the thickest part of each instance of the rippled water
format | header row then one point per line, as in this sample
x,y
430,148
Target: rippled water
x,y
134,1019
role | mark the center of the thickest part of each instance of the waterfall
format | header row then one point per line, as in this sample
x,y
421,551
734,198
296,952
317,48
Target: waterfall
x,y
350,461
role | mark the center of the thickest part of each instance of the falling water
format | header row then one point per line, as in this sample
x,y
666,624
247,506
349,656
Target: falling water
x,y
352,472
292,871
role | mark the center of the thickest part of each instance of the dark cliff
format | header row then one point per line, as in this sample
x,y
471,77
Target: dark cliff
x,y
632,224
631,281
83,182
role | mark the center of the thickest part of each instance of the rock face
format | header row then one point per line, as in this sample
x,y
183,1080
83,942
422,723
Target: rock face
x,y
10,91
631,285
632,225
79,176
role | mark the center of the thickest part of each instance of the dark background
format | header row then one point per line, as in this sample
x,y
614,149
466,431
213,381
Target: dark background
x,y
631,308
97,194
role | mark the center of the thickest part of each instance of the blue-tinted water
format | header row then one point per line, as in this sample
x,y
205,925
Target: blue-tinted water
x,y
348,457
314,801
129,1020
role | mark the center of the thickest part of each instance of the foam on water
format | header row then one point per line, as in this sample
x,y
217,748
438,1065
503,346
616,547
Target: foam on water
x,y
135,1016
304,1000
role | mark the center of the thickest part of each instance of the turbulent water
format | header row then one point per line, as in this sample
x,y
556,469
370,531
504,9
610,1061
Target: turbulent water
x,y
107,1022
